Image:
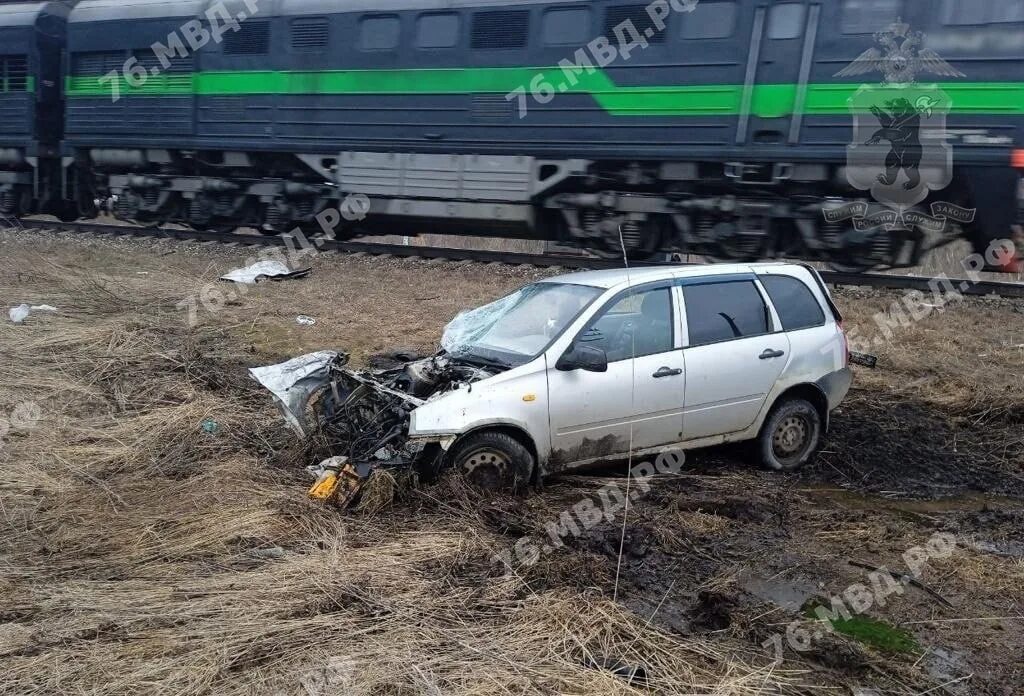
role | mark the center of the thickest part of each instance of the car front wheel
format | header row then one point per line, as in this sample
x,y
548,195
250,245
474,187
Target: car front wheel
x,y
791,436
494,461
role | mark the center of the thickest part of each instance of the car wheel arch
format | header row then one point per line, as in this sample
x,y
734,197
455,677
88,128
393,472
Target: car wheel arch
x,y
809,392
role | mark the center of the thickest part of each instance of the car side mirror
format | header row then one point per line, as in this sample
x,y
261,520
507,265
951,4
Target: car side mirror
x,y
583,357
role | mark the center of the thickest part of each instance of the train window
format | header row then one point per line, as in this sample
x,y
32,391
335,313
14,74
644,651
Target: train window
x,y
638,15
251,39
982,12
501,29
786,21
439,30
13,73
380,33
710,20
868,16
567,26
310,34
97,62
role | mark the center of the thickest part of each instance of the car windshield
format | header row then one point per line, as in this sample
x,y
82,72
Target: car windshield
x,y
517,328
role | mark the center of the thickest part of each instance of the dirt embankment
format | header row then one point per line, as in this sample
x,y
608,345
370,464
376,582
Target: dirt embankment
x,y
156,537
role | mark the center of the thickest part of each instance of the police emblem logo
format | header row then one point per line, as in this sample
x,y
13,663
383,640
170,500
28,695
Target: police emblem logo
x,y
899,150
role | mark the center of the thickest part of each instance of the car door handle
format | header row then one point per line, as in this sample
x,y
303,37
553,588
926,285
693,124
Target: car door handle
x,y
770,354
667,372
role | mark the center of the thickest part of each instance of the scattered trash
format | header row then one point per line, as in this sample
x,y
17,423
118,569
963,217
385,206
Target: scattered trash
x,y
264,270
864,360
304,320
273,552
210,426
633,674
21,312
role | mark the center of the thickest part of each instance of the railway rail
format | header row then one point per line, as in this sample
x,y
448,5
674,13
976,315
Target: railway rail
x,y
872,280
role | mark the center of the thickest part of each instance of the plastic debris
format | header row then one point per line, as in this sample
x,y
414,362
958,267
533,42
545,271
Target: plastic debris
x,y
305,320
210,426
264,270
21,312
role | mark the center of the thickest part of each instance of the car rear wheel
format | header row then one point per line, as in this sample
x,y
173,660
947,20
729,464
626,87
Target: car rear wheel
x,y
791,435
494,461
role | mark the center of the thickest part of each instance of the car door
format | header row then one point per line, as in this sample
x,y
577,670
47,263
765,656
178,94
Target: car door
x,y
639,400
733,354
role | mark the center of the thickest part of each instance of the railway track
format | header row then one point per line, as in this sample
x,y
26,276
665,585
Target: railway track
x,y
872,280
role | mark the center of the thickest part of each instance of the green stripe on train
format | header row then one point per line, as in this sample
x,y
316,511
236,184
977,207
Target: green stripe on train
x,y
767,100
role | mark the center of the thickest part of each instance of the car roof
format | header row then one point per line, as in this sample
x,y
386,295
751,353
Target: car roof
x,y
615,277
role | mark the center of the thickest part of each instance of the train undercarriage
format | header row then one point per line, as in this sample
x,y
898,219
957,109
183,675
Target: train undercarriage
x,y
727,211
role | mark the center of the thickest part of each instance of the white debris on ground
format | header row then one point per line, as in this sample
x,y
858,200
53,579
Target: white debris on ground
x,y
22,312
264,270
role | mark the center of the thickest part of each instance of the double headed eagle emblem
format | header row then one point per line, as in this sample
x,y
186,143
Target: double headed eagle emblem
x,y
900,59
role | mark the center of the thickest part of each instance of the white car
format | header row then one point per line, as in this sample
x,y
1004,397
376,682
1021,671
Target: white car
x,y
587,367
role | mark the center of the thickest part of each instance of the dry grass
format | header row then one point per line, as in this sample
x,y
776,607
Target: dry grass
x,y
142,554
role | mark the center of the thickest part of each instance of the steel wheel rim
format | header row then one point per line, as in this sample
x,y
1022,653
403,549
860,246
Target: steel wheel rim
x,y
791,437
486,459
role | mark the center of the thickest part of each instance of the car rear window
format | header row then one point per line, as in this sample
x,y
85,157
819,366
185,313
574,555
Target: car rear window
x,y
794,301
726,311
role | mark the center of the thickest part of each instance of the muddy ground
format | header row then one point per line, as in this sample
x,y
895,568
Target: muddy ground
x,y
156,537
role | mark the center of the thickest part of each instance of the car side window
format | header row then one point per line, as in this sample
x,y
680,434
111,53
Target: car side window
x,y
637,325
794,301
725,311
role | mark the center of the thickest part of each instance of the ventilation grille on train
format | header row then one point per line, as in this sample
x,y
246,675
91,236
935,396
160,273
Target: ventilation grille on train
x,y
501,29
489,107
97,62
640,18
251,40
13,73
148,59
309,34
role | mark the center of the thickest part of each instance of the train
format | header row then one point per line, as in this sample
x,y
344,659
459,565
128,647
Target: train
x,y
714,127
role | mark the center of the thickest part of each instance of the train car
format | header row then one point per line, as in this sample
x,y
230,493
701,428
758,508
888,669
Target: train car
x,y
721,127
31,107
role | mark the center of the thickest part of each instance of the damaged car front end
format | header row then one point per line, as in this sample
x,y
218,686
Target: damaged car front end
x,y
409,412
363,416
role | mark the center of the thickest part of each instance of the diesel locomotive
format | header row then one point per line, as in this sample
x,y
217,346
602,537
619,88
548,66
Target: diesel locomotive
x,y
720,127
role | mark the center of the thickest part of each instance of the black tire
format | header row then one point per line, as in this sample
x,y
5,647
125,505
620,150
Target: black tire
x,y
493,461
791,435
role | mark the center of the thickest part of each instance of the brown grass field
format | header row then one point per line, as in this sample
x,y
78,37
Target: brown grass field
x,y
141,553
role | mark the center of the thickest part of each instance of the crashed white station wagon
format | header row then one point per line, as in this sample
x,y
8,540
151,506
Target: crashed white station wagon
x,y
588,367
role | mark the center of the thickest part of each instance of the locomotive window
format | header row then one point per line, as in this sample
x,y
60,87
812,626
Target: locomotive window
x,y
641,20
868,16
710,20
786,21
379,33
568,26
437,30
97,62
982,12
13,73
310,34
501,29
251,39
